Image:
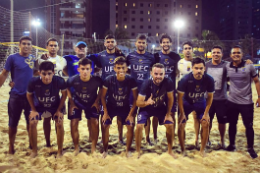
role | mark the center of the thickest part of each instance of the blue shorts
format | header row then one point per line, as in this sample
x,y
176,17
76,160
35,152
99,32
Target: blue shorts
x,y
198,107
144,115
77,113
113,112
16,105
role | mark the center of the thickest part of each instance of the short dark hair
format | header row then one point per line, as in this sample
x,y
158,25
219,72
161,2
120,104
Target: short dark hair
x,y
217,47
163,36
109,36
120,60
141,37
46,66
84,61
236,46
198,60
51,39
188,43
25,38
158,65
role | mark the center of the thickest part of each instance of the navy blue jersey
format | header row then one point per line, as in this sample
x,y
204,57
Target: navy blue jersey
x,y
118,91
105,61
140,65
194,90
84,93
72,64
159,93
170,61
46,97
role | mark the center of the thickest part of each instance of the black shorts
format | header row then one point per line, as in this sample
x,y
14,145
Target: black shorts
x,y
113,112
16,105
77,113
219,107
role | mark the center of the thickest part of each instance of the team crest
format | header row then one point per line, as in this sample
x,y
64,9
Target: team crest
x,y
111,61
188,68
243,69
30,61
166,61
120,91
47,92
197,88
84,89
140,61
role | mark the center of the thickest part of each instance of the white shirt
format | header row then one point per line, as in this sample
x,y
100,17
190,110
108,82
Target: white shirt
x,y
184,67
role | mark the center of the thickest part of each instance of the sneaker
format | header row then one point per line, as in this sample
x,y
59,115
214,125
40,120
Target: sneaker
x,y
231,148
252,153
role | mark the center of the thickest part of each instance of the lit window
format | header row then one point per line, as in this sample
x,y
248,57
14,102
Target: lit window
x,y
133,4
180,6
125,4
150,5
196,13
116,25
197,6
116,3
149,12
157,34
149,19
125,27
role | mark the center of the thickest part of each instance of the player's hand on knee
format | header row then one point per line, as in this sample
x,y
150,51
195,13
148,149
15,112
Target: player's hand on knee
x,y
150,101
130,118
71,108
181,119
34,117
205,118
105,117
168,117
11,84
97,106
58,116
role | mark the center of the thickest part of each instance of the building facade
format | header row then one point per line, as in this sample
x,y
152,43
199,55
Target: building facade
x,y
256,19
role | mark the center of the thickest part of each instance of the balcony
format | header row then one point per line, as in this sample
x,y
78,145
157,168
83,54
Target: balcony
x,y
72,9
72,19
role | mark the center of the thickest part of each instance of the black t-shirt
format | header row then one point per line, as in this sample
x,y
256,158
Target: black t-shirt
x,y
159,93
84,93
46,97
118,91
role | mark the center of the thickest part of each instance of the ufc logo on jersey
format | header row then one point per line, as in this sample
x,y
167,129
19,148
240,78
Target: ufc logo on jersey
x,y
109,68
196,95
119,98
140,68
83,96
46,99
168,68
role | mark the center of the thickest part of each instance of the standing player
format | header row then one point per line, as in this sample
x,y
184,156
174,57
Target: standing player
x,y
43,97
82,92
140,63
184,67
191,90
59,62
105,61
240,98
170,60
21,67
118,88
151,100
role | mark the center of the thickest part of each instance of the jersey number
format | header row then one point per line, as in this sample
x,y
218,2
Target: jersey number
x,y
140,76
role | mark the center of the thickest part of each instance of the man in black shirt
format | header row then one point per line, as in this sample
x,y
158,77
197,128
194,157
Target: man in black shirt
x,y
118,88
43,97
82,92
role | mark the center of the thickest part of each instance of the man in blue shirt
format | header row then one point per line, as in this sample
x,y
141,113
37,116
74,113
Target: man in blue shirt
x,y
170,60
140,63
118,88
191,90
44,99
152,98
21,67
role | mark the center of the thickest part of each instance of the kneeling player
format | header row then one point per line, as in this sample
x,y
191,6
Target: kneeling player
x,y
151,100
44,99
191,90
117,88
82,92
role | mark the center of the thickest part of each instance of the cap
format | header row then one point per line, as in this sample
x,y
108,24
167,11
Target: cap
x,y
81,43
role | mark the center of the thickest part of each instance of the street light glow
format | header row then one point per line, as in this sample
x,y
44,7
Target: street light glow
x,y
36,22
153,46
179,23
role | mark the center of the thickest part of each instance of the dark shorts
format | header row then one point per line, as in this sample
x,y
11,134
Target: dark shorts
x,y
218,107
113,112
198,107
16,105
77,113
144,115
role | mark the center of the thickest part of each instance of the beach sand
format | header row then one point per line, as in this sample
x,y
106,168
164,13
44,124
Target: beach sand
x,y
153,160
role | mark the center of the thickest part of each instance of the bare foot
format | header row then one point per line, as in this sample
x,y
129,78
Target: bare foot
x,y
173,155
139,155
128,154
33,154
203,154
76,152
184,153
59,155
104,155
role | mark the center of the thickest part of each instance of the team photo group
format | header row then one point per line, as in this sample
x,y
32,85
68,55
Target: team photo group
x,y
140,90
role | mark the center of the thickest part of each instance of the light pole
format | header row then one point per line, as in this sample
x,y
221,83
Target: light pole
x,y
153,46
36,23
178,24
